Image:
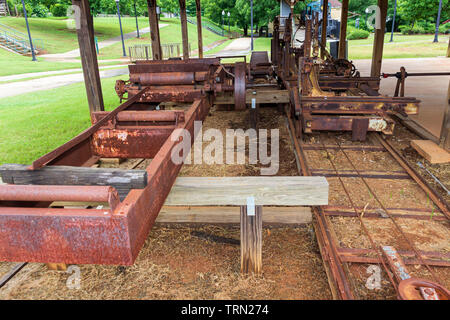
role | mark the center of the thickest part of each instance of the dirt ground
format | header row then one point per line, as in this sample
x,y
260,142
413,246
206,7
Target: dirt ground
x,y
203,262
187,263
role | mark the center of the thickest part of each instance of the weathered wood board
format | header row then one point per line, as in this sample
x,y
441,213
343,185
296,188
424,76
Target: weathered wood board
x,y
122,180
234,191
431,151
230,215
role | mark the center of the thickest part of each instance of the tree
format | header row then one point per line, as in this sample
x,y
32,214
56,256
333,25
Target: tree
x,y
412,10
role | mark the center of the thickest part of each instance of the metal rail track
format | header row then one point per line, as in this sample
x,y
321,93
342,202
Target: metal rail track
x,y
335,257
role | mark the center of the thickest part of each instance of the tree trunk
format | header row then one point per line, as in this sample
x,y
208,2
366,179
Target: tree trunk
x,y
245,31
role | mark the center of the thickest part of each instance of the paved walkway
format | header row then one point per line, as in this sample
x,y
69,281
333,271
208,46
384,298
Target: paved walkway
x,y
20,87
237,47
432,91
49,73
102,44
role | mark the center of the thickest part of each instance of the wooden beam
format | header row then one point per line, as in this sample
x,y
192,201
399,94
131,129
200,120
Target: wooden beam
x,y
230,215
251,239
122,180
324,28
234,191
431,151
184,29
154,30
88,54
262,96
343,32
199,29
378,42
445,131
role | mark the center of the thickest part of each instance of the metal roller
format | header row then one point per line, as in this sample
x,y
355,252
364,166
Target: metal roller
x,y
239,85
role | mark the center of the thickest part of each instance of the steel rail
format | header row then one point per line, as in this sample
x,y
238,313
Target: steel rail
x,y
328,249
419,256
372,242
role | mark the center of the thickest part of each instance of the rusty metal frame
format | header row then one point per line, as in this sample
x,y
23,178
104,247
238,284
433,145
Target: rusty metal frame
x,y
30,231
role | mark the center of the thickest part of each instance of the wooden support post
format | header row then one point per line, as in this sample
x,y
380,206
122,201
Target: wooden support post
x,y
254,114
378,42
199,29
89,56
251,238
343,32
154,30
445,131
448,48
184,29
324,28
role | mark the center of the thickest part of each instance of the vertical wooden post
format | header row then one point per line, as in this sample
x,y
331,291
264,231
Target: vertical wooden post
x,y
251,239
154,30
378,41
199,29
445,131
184,29
343,32
254,114
88,55
323,40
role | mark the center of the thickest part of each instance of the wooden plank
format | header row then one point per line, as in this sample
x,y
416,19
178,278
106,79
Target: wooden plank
x,y
154,30
430,151
88,55
378,42
262,96
230,215
56,266
233,191
343,31
251,240
122,180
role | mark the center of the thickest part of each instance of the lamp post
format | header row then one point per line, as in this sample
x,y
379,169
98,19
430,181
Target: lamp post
x,y
251,23
135,14
228,21
437,22
29,34
393,22
121,32
223,15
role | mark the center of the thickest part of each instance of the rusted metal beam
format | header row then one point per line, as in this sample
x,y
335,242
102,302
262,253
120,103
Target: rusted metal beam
x,y
91,236
154,30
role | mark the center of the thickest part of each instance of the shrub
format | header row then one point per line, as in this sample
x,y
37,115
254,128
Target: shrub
x,y
59,10
39,10
355,34
444,28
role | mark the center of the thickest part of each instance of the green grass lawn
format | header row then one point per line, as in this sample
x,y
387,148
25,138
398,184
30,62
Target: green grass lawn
x,y
11,63
35,123
59,38
404,46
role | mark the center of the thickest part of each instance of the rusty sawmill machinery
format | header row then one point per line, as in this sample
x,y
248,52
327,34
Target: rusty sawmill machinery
x,y
318,95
